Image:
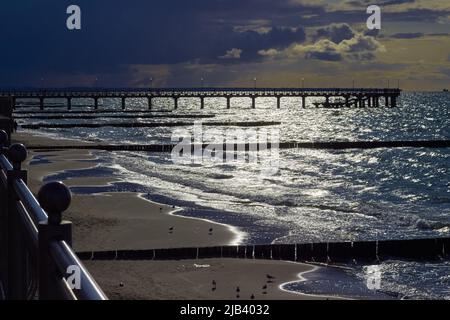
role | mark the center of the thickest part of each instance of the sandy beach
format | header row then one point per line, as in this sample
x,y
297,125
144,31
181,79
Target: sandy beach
x,y
128,221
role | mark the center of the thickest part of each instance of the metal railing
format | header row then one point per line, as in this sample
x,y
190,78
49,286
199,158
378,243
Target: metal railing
x,y
36,258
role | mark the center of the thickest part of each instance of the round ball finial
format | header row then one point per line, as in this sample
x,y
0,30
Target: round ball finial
x,y
17,153
3,137
54,198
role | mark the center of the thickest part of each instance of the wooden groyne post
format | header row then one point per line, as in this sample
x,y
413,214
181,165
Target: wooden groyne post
x,y
433,249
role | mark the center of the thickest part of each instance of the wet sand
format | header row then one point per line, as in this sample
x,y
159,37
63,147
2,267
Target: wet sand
x,y
192,279
112,221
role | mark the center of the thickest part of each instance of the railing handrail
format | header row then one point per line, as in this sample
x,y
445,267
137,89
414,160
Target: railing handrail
x,y
64,257
5,164
33,217
34,209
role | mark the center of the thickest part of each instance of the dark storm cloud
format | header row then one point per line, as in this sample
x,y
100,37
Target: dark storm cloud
x,y
359,16
359,47
250,42
335,32
324,55
116,34
119,33
373,33
440,34
380,3
407,35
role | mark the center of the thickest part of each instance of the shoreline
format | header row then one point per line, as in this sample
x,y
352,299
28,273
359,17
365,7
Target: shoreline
x,y
117,220
187,230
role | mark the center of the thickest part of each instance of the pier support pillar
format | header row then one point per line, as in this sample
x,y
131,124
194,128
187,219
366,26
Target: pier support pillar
x,y
228,102
327,101
123,103
175,100
69,103
41,103
393,101
361,102
347,103
202,102
253,102
13,103
369,102
96,103
386,101
150,103
278,102
303,102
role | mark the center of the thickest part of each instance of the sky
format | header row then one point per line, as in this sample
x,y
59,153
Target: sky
x,y
176,43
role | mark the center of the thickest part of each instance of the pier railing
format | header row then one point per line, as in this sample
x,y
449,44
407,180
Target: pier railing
x,y
36,258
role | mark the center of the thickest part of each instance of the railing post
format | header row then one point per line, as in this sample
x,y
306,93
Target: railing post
x,y
54,198
17,277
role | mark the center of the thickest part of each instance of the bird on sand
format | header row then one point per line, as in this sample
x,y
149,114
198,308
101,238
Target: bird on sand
x,y
171,229
270,277
264,287
238,289
252,297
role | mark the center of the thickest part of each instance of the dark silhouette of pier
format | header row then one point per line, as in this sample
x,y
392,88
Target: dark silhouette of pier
x,y
330,97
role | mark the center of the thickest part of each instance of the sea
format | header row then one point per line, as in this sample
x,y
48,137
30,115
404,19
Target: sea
x,y
291,195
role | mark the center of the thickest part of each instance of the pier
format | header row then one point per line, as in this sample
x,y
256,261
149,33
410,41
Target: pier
x,y
324,97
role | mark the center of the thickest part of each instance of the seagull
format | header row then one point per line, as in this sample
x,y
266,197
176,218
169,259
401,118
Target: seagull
x,y
238,290
210,230
238,296
214,283
265,287
171,229
121,284
252,297
270,277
